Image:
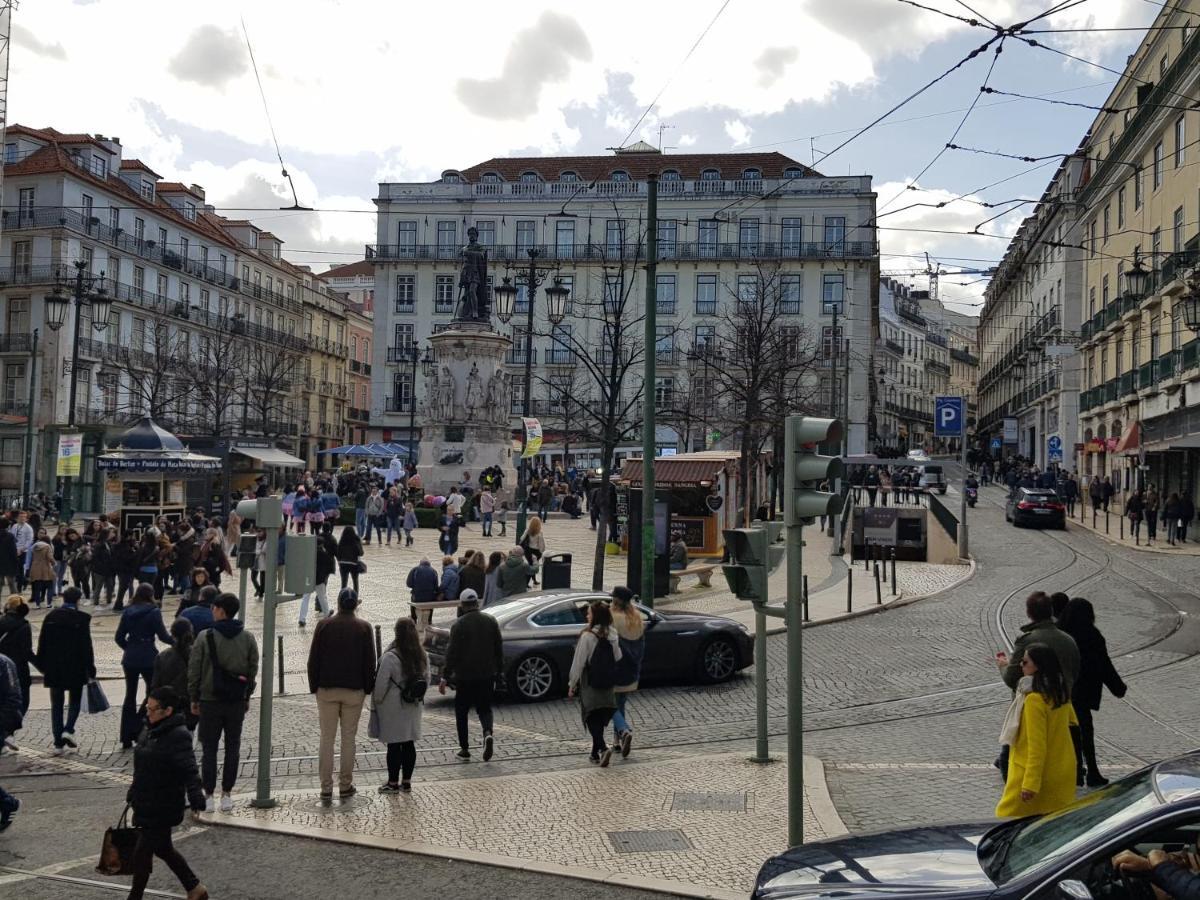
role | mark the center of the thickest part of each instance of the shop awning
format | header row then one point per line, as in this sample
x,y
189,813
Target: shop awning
x,y
1130,439
672,472
270,456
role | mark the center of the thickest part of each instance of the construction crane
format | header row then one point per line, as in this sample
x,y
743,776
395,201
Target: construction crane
x,y
934,272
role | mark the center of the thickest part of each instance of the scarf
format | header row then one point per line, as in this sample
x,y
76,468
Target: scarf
x,y
1012,720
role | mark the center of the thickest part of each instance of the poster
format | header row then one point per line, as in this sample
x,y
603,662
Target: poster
x,y
112,495
70,446
1010,430
533,438
175,493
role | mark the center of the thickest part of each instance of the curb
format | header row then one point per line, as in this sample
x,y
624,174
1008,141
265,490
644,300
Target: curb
x,y
1087,529
817,790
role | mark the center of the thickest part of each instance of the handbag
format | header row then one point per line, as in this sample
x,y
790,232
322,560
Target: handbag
x,y
116,851
94,700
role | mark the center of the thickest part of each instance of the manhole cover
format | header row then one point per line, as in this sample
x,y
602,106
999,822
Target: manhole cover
x,y
708,801
338,805
671,841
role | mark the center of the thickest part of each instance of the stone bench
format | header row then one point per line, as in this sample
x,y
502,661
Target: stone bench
x,y
703,573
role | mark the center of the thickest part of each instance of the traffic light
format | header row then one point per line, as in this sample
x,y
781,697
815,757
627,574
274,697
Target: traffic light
x,y
264,512
300,564
805,469
752,554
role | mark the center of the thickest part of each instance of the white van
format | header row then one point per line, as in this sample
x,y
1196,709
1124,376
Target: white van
x,y
932,478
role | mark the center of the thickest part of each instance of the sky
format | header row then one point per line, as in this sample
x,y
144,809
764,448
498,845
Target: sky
x,y
361,92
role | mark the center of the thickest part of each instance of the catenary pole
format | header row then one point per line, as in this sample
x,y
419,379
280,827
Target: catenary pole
x,y
648,427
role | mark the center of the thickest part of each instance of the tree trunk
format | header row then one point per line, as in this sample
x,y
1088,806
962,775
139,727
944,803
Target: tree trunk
x,y
744,475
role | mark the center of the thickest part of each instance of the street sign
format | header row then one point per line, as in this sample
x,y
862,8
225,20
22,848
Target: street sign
x,y
948,419
996,443
1055,448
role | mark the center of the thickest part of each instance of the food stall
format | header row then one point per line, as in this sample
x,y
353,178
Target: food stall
x,y
144,473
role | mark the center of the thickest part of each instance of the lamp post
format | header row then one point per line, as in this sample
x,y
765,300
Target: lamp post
x,y
1189,304
426,362
87,289
1137,278
556,303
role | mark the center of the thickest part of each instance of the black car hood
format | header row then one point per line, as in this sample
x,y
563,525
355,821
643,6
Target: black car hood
x,y
918,862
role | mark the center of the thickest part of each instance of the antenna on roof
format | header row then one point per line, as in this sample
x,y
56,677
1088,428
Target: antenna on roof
x,y
271,125
663,126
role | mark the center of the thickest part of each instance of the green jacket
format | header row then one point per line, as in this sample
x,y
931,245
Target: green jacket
x,y
1052,636
513,576
237,652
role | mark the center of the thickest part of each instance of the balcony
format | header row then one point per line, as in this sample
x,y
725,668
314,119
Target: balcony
x,y
355,414
604,252
517,357
404,353
356,366
963,356
559,356
1112,313
281,426
1147,375
1167,363
667,356
14,408
1127,384
893,346
932,365
937,339
907,311
1129,304
1085,330
16,343
1190,355
1111,391
398,405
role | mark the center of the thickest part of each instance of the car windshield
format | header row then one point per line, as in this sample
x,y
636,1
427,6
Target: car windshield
x,y
1016,849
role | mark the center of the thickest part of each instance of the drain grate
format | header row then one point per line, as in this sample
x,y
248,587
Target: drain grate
x,y
669,841
709,801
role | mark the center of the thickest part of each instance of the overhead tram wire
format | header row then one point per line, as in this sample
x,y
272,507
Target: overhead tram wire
x,y
1105,109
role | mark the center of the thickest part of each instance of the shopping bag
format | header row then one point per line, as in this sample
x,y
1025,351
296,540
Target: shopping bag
x,y
94,700
116,852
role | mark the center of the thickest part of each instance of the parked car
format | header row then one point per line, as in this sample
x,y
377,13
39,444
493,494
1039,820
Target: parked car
x,y
1036,506
540,631
931,478
1067,854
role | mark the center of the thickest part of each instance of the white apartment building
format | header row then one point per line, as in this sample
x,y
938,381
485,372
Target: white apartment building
x,y
721,219
905,382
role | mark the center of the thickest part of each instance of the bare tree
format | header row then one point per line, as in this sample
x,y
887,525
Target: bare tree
x,y
217,369
151,370
269,376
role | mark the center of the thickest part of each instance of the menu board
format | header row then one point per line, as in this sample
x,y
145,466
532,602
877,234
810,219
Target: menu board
x,y
692,529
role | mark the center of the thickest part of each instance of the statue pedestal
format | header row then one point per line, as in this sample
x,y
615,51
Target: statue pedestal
x,y
467,426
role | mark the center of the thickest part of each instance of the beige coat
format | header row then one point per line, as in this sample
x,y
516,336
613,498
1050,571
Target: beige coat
x,y
41,567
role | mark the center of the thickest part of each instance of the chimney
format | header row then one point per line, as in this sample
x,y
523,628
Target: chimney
x,y
198,191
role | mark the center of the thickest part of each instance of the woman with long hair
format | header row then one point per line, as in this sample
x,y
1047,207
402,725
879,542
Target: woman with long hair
x,y
1041,767
473,573
1096,671
589,678
140,624
491,584
349,556
400,685
533,542
631,634
171,668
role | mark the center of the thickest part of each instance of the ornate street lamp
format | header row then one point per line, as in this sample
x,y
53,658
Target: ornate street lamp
x,y
1189,304
57,304
556,301
506,300
1137,278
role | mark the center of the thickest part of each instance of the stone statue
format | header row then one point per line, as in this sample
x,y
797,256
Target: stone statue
x,y
473,398
446,395
473,304
493,394
505,405
432,395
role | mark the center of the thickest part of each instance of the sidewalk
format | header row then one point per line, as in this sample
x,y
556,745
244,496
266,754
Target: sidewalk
x,y
1117,531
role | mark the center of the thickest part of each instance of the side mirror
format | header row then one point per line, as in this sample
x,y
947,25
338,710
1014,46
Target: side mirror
x,y
1073,889
655,618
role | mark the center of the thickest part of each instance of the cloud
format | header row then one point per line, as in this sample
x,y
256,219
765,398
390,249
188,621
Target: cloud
x,y
23,37
739,132
687,140
772,62
212,57
538,56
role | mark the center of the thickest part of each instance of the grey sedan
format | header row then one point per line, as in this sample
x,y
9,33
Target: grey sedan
x,y
540,631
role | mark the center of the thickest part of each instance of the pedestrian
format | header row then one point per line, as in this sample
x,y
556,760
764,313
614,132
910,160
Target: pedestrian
x,y
1107,491
448,532
341,672
11,720
545,494
258,569
16,642
474,657
24,534
300,509
472,573
513,577
200,614
593,677
502,518
423,582
454,507
885,486
410,524
11,565
171,668
222,672
398,698
393,511
533,542
679,553
141,622
326,566
1070,493
1096,492
165,781
1041,770
104,569
197,582
631,635
41,570
66,659
376,517
871,483
487,508
1187,512
1134,508
349,557
147,557
491,585
1150,512
125,560
448,588
59,543
1096,671
362,521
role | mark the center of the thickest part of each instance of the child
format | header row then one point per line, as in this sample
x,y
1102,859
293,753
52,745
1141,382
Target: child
x,y
502,517
409,524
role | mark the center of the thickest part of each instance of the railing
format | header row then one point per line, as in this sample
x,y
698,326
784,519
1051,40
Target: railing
x,y
1167,363
893,346
1130,303
605,252
963,356
397,405
667,356
16,343
1111,391
357,415
559,356
912,315
355,366
1147,375
934,366
1190,356
665,307
1127,383
404,353
14,407
516,357
935,338
1174,265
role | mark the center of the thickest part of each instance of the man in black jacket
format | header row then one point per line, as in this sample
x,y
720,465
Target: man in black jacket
x,y
104,568
474,658
1173,879
67,663
10,562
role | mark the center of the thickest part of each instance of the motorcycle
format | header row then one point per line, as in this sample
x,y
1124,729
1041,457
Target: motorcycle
x,y
972,496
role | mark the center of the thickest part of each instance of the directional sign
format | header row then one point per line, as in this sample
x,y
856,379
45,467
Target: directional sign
x,y
948,419
1055,448
996,443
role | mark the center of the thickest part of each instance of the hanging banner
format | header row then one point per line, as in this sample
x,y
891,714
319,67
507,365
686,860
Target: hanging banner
x,y
533,438
70,449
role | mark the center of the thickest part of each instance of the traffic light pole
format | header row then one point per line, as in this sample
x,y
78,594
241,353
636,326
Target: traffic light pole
x,y
795,647
962,516
762,752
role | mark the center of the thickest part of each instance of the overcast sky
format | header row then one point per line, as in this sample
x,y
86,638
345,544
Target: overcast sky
x,y
364,92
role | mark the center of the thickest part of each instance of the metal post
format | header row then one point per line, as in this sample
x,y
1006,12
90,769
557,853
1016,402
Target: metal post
x,y
378,641
893,571
762,752
962,516
523,473
878,587
805,595
795,662
262,796
242,575
648,425
850,589
1106,521
279,653
27,480
68,508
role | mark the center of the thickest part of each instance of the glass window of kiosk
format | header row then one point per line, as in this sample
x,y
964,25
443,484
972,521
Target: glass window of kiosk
x,y
141,493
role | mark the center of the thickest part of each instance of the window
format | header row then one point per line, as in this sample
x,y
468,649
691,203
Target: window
x,y
705,340
517,397
14,378
185,247
491,178
664,392
1155,337
665,295
1092,236
26,205
487,232
526,234
401,390
10,150
619,175
443,296
403,335
1177,231
1157,177
138,337
1156,249
564,238
569,176
1163,63
1137,187
114,218
18,316
710,175
189,210
147,189
1105,232
793,172
748,232
664,343
560,344
831,341
1104,291
835,235
833,288
790,297
751,175
406,238
139,281
668,232
708,237
613,293
530,178
792,236
1091,302
614,236
1121,207
22,256
85,255
406,293
447,239
1180,133
354,346
706,295
205,301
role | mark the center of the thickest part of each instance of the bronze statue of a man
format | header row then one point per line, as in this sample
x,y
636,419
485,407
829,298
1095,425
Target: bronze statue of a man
x,y
473,303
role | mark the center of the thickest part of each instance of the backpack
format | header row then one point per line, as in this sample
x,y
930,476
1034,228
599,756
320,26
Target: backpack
x,y
602,667
227,686
411,691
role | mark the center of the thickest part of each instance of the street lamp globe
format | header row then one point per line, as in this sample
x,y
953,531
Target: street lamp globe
x,y
102,302
1137,279
1189,307
556,301
57,304
506,299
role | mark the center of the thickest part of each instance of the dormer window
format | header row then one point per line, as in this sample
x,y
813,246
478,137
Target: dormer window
x,y
451,177
620,175
189,210
793,172
492,178
751,175
569,176
530,178
254,240
669,175
100,167
147,189
710,175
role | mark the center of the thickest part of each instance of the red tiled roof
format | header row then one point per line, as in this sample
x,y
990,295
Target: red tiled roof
x,y
177,187
362,267
638,165
138,164
53,134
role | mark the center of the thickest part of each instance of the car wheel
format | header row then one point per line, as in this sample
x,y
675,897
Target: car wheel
x,y
533,678
718,660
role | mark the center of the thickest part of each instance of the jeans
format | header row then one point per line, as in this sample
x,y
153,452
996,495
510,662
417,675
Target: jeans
x,y
338,706
124,585
487,524
42,592
1172,530
376,523
1135,526
349,574
1085,749
408,540
258,578
106,584
56,711
60,572
475,693
154,842
393,524
322,602
360,522
597,721
217,717
401,757
131,722
1151,527
620,723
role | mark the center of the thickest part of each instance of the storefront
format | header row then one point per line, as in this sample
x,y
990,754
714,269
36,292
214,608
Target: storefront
x,y
1172,451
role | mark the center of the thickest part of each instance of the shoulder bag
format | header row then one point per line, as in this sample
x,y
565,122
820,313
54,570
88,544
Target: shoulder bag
x,y
116,850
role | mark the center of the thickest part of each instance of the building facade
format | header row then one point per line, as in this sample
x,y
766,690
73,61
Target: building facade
x,y
355,283
722,220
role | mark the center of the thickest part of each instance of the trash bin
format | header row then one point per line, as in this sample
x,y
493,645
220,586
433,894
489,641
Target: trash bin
x,y
556,571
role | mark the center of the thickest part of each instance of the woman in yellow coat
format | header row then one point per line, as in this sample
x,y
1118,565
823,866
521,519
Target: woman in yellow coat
x,y
1041,769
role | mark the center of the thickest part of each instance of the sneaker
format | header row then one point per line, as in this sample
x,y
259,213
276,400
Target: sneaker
x,y
605,757
199,892
388,788
626,743
406,787
59,749
348,792
593,759
210,805
226,802
464,754
301,623
7,816
68,740
487,747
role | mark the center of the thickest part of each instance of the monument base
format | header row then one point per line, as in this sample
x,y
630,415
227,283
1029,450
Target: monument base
x,y
467,424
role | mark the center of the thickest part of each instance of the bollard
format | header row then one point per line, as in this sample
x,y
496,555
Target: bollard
x,y
878,588
378,641
849,590
1093,517
893,571
867,558
279,641
805,598
1106,521
1121,526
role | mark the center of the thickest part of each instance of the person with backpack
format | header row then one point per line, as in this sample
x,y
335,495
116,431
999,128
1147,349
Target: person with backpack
x,y
594,676
222,670
631,634
398,698
474,658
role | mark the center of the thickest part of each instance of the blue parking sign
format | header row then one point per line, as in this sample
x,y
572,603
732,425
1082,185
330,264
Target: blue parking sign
x,y
948,417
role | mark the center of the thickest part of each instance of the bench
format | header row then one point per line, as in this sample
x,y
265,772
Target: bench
x,y
425,612
702,572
